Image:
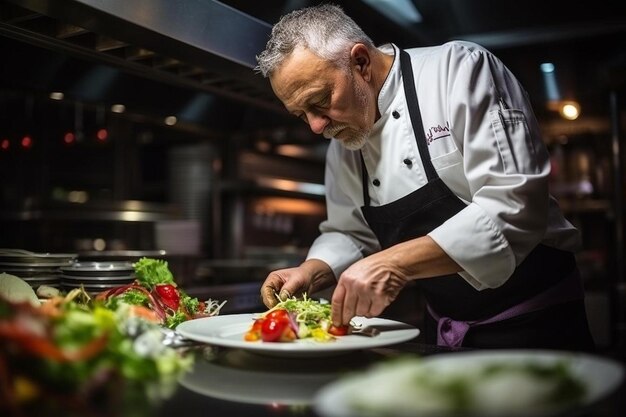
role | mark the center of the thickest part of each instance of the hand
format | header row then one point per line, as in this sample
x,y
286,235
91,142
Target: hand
x,y
366,288
313,275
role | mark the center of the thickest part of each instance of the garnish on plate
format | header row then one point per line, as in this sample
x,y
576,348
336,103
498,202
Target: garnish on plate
x,y
293,319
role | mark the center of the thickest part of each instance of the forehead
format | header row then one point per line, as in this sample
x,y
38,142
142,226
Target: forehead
x,y
300,76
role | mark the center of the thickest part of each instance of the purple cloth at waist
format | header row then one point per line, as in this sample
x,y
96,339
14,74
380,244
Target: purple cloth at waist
x,y
451,332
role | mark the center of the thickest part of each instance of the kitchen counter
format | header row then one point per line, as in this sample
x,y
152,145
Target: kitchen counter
x,y
227,382
233,382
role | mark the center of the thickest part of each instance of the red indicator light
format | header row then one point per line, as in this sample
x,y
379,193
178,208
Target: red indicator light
x,y
27,142
5,144
69,138
102,134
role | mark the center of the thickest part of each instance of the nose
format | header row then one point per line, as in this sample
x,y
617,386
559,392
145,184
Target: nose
x,y
317,123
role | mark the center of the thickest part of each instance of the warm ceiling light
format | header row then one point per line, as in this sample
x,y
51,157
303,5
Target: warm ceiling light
x,y
118,108
57,95
570,110
171,120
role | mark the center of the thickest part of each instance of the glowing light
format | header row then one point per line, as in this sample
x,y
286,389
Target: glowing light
x,y
570,110
550,83
79,197
57,95
27,142
401,11
118,108
99,244
171,120
547,67
69,138
102,134
5,144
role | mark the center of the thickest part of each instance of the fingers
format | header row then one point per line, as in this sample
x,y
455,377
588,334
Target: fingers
x,y
347,304
337,305
284,294
283,284
268,295
364,308
271,287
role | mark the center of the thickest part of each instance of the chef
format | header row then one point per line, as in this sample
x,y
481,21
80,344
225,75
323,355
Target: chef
x,y
436,173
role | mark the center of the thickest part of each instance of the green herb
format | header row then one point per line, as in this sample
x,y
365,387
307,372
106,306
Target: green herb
x,y
150,272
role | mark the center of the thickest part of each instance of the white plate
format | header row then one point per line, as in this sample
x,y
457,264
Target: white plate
x,y
239,376
229,330
599,375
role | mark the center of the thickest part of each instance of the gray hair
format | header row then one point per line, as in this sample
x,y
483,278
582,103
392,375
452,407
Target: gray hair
x,y
325,30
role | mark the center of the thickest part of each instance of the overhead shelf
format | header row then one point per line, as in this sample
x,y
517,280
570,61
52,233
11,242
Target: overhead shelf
x,y
125,211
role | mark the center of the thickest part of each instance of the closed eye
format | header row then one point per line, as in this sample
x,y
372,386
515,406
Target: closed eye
x,y
324,102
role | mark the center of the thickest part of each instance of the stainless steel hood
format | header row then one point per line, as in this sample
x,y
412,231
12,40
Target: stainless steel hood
x,y
199,44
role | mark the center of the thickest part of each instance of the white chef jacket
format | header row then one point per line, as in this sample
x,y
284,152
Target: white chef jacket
x,y
485,145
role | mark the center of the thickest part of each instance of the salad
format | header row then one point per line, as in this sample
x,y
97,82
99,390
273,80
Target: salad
x,y
155,288
293,319
70,354
64,357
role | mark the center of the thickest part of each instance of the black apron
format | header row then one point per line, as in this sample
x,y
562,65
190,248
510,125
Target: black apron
x,y
421,211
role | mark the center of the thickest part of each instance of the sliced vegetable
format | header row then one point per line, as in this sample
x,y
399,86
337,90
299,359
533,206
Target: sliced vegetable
x,y
293,319
338,330
156,289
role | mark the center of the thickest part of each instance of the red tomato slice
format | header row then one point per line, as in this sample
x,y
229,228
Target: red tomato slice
x,y
169,295
254,333
288,335
279,314
272,329
338,330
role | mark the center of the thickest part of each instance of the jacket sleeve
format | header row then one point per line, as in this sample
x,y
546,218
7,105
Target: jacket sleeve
x,y
505,164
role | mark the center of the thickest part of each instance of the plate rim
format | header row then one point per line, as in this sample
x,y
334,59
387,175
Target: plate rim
x,y
304,347
325,401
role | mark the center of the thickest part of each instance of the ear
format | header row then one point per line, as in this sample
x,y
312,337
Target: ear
x,y
360,61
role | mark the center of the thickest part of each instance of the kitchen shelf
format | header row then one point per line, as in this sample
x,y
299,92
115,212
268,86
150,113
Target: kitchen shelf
x,y
125,211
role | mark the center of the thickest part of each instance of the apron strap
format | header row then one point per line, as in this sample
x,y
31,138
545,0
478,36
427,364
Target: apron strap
x,y
416,122
364,182
451,332
415,114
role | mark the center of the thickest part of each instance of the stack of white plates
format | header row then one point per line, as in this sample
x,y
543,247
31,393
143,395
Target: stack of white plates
x,y
96,276
35,268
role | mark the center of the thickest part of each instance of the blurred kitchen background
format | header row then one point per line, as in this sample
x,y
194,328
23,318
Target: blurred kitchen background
x,y
138,128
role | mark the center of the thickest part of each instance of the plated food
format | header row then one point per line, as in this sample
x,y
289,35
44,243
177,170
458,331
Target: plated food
x,y
293,319
229,331
487,383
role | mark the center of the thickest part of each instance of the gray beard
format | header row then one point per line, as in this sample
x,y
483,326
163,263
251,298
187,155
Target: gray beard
x,y
356,140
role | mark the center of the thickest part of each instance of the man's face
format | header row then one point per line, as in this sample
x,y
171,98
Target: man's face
x,y
335,102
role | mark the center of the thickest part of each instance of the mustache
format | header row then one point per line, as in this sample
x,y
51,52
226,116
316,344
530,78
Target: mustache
x,y
331,131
